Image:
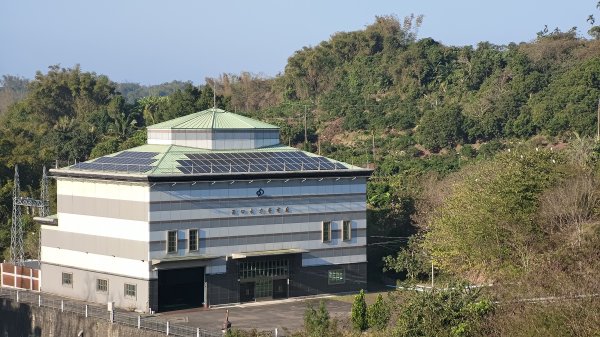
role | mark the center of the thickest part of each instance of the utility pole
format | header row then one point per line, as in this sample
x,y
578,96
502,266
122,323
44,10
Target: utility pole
x,y
214,96
373,144
598,123
305,127
431,275
319,144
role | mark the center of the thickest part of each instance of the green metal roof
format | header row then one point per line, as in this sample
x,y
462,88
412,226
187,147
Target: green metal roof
x,y
213,119
168,155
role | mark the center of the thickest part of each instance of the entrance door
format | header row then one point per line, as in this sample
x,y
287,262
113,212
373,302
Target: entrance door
x,y
247,292
280,289
263,289
180,288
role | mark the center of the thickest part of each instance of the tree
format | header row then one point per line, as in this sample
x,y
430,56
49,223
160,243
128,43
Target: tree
x,y
107,146
594,31
316,321
440,128
378,314
150,106
359,312
485,227
70,92
12,90
411,260
182,102
124,118
457,310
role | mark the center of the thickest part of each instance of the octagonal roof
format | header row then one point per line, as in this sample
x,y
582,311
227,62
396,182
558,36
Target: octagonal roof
x,y
213,118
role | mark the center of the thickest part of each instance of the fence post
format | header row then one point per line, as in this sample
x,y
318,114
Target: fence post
x,y
62,305
167,328
275,332
197,332
39,300
86,310
139,322
17,296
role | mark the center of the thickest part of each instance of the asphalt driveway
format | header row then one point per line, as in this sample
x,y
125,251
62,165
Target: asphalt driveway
x,y
288,314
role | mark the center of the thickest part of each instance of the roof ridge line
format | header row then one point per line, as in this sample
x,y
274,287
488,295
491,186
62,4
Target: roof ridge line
x,y
164,154
237,116
212,125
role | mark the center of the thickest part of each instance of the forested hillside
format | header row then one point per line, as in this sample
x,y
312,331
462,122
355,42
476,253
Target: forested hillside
x,y
482,155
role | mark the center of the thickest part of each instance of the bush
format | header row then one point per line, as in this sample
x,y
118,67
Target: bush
x,y
455,311
359,312
378,314
440,128
248,333
316,321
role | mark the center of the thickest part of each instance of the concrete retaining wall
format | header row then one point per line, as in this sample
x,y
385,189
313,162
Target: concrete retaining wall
x,y
23,320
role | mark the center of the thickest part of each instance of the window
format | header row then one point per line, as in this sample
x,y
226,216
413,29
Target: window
x,y
346,230
193,240
101,285
326,235
67,280
273,269
171,241
336,276
130,290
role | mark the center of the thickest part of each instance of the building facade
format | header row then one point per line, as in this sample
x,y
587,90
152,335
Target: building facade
x,y
213,210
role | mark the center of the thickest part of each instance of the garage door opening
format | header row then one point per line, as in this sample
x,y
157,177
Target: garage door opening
x,y
180,288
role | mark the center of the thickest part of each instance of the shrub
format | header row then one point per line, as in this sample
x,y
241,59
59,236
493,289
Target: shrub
x,y
359,312
316,321
378,314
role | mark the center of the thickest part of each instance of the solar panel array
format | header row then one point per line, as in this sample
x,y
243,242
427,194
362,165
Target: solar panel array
x,y
127,161
255,162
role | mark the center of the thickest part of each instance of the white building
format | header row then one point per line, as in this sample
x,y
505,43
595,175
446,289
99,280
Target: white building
x,y
212,210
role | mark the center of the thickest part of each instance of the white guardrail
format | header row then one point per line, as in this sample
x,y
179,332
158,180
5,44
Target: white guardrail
x,y
101,312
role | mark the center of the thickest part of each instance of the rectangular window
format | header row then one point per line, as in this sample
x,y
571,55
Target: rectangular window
x,y
346,230
67,280
326,235
171,241
336,276
130,290
193,240
275,269
101,285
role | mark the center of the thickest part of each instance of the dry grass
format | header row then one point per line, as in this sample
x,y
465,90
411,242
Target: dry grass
x,y
369,297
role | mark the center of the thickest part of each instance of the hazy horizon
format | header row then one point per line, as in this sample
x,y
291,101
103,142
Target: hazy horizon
x,y
148,42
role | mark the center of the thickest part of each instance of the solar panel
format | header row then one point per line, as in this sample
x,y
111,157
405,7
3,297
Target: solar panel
x,y
128,168
135,154
126,161
254,162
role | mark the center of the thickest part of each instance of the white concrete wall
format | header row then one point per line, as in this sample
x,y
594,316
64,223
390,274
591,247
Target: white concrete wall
x,y
215,139
102,263
101,199
316,201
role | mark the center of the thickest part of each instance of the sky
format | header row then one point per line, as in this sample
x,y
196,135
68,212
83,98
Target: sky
x,y
152,42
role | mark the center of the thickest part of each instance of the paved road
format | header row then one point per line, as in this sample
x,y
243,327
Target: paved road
x,y
262,316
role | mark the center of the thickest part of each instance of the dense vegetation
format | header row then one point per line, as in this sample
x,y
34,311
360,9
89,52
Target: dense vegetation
x,y
482,157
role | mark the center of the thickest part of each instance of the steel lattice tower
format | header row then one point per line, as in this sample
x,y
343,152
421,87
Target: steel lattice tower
x,y
17,252
45,209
